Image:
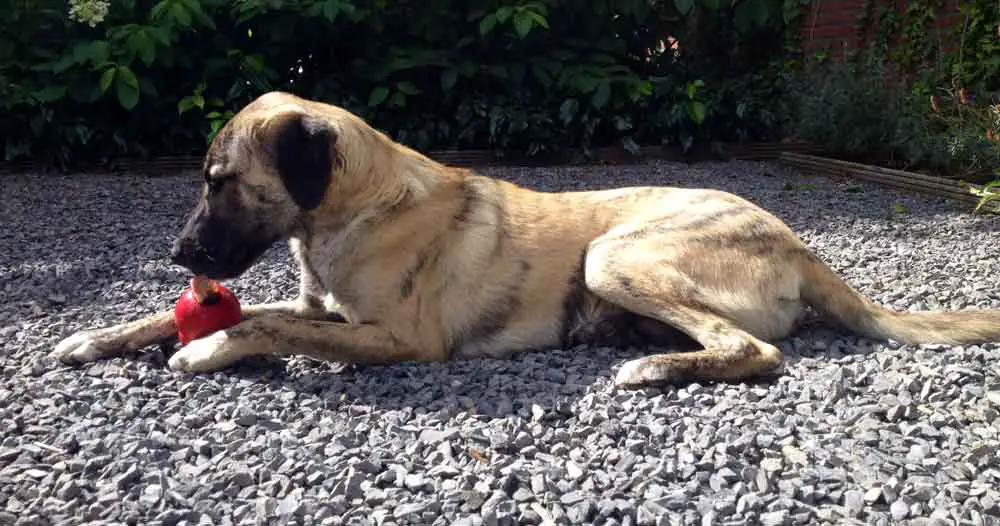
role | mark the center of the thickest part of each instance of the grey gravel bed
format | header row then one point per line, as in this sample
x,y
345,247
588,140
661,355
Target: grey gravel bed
x,y
856,432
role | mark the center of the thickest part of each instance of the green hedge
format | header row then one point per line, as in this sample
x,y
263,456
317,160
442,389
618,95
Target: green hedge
x,y
158,77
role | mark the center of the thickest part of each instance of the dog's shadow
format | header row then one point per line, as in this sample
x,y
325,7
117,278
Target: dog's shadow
x,y
547,380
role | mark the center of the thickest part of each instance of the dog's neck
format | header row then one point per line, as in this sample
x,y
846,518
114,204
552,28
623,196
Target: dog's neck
x,y
387,179
396,182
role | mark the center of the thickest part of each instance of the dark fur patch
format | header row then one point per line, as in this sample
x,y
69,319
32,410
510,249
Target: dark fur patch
x,y
503,231
260,193
469,198
754,238
626,284
406,287
303,150
573,300
496,316
474,198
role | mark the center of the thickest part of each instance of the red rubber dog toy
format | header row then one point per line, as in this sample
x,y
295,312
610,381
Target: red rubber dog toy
x,y
204,308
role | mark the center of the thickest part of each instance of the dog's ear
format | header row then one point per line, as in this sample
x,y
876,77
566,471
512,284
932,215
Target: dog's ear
x,y
303,149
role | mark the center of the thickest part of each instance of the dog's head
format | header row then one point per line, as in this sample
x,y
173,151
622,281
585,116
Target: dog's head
x,y
271,164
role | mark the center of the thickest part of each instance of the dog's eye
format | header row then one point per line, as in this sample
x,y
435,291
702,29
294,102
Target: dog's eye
x,y
215,184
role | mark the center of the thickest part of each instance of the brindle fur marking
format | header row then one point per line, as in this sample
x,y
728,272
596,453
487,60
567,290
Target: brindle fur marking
x,y
402,258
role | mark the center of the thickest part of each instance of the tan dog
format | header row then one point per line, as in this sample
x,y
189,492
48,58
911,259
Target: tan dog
x,y
404,259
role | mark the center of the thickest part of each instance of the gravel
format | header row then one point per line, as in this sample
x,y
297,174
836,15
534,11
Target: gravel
x,y
856,432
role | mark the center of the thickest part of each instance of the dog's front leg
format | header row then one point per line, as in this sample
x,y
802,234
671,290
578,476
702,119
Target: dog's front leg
x,y
107,342
286,335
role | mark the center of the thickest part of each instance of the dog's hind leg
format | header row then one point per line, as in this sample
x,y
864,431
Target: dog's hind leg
x,y
728,300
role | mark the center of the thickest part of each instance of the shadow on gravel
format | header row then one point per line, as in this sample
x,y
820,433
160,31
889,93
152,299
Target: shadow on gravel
x,y
551,380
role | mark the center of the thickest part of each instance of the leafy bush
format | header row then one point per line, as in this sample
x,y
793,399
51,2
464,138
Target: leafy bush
x,y
849,108
865,111
157,77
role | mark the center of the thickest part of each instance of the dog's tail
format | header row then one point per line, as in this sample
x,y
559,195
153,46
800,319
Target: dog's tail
x,y
833,298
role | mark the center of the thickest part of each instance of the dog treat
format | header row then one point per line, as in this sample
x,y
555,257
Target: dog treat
x,y
207,306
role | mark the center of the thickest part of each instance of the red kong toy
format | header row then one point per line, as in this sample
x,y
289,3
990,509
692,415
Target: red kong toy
x,y
204,308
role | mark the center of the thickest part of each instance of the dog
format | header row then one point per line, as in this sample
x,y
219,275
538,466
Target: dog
x,y
405,259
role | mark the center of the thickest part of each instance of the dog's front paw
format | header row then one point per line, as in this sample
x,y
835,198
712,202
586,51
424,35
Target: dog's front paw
x,y
204,355
84,347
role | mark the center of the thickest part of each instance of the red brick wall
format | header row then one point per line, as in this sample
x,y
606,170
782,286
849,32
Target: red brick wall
x,y
832,25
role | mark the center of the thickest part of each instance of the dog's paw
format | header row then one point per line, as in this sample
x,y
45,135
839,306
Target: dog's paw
x,y
84,347
204,355
644,372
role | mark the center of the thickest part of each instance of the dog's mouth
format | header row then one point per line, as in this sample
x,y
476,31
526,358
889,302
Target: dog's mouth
x,y
210,264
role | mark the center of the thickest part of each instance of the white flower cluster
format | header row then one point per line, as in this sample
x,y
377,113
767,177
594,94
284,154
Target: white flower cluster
x,y
90,12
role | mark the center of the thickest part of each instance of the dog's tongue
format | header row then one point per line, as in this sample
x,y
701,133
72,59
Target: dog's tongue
x,y
204,288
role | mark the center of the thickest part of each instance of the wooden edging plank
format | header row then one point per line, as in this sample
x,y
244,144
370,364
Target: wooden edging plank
x,y
860,166
900,179
892,183
949,188
895,183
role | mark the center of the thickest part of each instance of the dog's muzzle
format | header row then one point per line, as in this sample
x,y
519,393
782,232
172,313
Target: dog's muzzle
x,y
189,254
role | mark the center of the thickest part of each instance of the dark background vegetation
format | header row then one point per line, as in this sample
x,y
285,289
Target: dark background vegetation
x,y
157,78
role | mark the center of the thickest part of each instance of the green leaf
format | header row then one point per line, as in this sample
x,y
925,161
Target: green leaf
x,y
542,76
522,24
106,78
568,110
199,101
81,52
714,5
601,96
448,78
254,62
504,13
49,94
160,34
687,141
147,88
760,12
696,110
142,43
584,83
126,87
622,123
742,17
158,10
100,50
630,145
331,9
539,19
213,115
487,24
63,64
180,15
750,13
407,88
684,6
378,95
398,100
185,105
